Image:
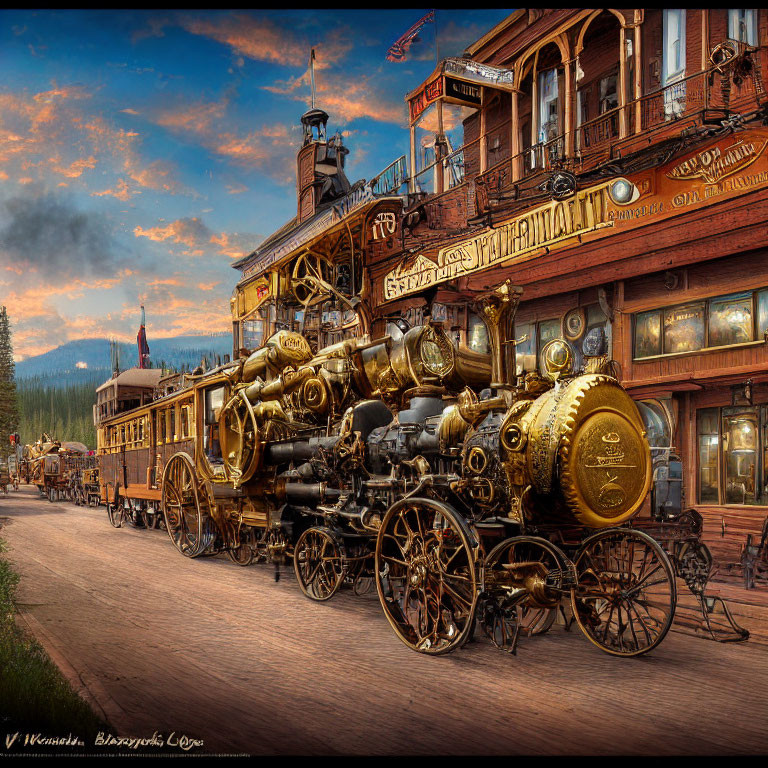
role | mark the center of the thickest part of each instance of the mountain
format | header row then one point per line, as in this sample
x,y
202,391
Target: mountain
x,y
60,366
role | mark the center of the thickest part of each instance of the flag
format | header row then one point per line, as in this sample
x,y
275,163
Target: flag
x,y
400,47
141,340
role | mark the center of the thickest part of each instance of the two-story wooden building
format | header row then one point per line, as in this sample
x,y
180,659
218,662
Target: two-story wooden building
x,y
614,163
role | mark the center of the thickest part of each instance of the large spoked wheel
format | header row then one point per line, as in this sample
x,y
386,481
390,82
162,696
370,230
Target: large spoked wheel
x,y
185,506
318,563
626,594
524,582
240,440
426,576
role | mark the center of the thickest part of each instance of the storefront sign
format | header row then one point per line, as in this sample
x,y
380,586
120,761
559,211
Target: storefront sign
x,y
429,93
715,163
544,226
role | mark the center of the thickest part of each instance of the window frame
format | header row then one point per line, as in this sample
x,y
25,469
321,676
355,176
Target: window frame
x,y
751,26
672,76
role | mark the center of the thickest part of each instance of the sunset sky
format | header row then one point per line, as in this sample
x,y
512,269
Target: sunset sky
x,y
141,152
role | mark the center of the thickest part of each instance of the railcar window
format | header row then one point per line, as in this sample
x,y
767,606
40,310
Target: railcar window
x,y
172,424
214,400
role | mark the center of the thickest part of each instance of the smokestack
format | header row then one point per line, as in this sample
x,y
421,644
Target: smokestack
x,y
498,309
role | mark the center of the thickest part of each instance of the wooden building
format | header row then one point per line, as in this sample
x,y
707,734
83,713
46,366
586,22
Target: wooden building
x,y
310,275
614,163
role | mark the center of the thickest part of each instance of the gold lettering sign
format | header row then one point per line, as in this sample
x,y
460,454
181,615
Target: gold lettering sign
x,y
547,225
714,164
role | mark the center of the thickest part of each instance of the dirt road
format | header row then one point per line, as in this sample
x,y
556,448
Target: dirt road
x,y
224,654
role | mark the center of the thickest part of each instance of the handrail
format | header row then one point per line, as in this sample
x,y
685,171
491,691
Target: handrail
x,y
394,175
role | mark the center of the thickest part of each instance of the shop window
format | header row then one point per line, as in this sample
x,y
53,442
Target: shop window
x,y
684,328
730,320
762,313
742,25
709,438
741,430
648,334
735,440
525,351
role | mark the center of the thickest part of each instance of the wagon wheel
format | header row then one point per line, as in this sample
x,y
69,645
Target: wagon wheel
x,y
245,551
115,514
524,581
426,575
185,505
626,594
307,280
318,563
150,519
241,444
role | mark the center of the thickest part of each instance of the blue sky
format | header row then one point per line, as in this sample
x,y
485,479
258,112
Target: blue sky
x,y
141,152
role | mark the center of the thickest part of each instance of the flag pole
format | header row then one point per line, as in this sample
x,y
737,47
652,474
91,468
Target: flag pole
x,y
312,75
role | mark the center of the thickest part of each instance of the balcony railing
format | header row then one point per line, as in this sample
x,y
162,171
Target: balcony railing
x,y
391,179
710,90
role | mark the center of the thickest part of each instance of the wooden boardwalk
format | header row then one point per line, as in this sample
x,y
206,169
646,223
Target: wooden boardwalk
x,y
224,654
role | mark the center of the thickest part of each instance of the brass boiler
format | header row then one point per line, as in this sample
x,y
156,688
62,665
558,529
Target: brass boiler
x,y
577,451
582,445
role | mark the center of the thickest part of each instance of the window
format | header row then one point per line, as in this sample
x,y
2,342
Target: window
x,y
525,351
673,63
762,313
738,318
214,400
684,328
733,453
609,93
477,335
742,25
549,124
253,334
709,437
674,44
730,320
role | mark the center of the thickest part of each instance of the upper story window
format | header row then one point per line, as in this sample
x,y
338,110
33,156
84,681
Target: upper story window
x,y
674,44
742,25
549,122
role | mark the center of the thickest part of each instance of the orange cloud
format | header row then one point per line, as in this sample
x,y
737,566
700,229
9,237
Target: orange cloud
x,y
122,191
76,168
264,40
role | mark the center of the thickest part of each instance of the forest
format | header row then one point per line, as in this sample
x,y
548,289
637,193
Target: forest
x,y
65,413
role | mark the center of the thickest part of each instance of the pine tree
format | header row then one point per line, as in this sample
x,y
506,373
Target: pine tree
x,y
9,407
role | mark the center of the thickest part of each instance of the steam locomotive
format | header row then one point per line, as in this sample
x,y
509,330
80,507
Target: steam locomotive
x,y
465,494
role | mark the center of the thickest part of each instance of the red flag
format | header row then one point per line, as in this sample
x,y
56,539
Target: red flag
x,y
400,47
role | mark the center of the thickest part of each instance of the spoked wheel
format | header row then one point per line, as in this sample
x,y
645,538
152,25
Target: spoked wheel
x,y
626,594
185,505
115,514
524,581
426,575
245,552
150,519
241,445
318,563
